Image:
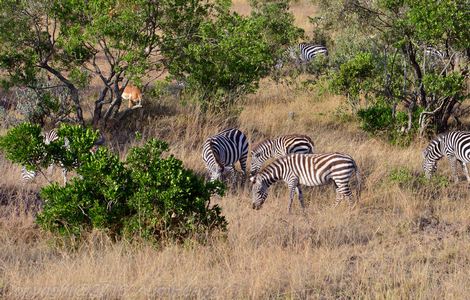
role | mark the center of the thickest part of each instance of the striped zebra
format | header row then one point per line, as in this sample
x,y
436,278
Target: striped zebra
x,y
222,150
49,137
278,147
455,145
309,170
301,54
434,53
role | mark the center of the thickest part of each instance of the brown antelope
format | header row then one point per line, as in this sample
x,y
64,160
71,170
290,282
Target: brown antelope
x,y
133,94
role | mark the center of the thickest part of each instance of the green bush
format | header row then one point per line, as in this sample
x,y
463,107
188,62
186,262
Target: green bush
x,y
378,120
146,196
407,178
232,52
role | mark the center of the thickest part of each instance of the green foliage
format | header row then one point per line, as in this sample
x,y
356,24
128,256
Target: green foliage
x,y
169,200
379,51
232,52
147,196
355,76
444,86
378,119
409,179
24,145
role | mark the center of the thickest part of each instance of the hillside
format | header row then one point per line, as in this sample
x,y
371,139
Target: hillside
x,y
405,239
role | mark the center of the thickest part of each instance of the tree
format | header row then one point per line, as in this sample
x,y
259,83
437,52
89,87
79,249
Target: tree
x,y
231,53
399,34
74,41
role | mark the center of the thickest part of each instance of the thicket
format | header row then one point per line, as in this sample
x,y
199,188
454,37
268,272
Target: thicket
x,y
218,54
149,195
396,58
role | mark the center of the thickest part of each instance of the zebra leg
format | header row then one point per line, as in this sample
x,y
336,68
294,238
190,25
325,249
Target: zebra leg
x,y
301,197
243,160
64,174
339,195
465,169
453,167
291,198
339,198
293,186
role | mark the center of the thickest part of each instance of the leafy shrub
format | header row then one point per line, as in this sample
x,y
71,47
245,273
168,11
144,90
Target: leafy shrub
x,y
407,178
147,196
378,119
355,76
24,145
232,52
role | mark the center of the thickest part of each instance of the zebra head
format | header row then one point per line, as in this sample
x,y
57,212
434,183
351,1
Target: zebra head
x,y
260,192
431,155
211,157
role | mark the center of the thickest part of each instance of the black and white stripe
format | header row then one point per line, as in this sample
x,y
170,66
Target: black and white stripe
x,y
49,137
301,54
280,146
434,53
221,151
455,146
309,170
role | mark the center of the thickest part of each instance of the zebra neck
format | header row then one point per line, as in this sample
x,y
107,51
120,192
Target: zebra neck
x,y
270,176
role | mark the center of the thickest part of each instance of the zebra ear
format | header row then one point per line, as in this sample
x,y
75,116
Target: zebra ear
x,y
253,179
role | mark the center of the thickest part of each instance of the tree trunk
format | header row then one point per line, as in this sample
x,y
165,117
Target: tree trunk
x,y
419,74
99,106
445,114
73,91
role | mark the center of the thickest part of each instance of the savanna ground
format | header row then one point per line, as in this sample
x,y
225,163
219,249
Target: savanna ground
x,y
404,240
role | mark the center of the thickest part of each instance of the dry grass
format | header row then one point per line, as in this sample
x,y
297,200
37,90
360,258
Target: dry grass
x,y
401,242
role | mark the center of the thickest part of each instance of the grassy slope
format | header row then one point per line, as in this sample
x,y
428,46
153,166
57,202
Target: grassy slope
x,y
401,242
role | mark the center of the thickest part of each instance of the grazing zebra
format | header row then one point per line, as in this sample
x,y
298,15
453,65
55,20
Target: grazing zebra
x,y
49,137
309,170
221,151
455,146
301,54
278,147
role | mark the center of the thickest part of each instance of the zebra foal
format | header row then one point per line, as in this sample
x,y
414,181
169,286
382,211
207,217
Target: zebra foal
x,y
221,151
309,170
455,145
280,146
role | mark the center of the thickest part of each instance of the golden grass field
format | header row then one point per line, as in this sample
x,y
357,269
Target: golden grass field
x,y
400,242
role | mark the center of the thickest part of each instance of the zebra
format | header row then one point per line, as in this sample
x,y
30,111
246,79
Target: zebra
x,y
455,145
278,147
310,170
301,54
49,137
434,53
222,150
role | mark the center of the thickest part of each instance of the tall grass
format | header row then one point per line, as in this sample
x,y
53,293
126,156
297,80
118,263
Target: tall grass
x,y
403,241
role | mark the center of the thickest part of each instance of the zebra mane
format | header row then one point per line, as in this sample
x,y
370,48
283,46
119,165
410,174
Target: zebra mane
x,y
258,144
